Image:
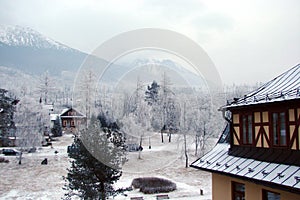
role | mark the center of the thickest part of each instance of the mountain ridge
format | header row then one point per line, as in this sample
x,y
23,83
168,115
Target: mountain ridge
x,y
25,49
25,36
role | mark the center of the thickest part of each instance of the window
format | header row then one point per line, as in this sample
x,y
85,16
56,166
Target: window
x,y
279,129
238,191
65,122
268,195
247,129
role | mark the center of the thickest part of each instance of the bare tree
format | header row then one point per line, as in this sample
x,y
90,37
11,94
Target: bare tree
x,y
32,122
46,87
136,121
86,91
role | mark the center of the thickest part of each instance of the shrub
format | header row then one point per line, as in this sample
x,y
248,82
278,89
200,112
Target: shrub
x,y
3,160
152,185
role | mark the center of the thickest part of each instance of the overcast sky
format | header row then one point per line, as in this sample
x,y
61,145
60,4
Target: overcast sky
x,y
249,41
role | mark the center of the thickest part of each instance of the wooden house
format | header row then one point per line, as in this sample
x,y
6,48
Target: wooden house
x,y
72,120
258,154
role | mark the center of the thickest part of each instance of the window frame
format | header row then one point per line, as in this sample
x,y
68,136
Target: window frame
x,y
235,193
278,128
264,194
244,126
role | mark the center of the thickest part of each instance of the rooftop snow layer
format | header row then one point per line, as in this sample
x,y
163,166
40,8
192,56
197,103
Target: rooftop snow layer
x,y
284,87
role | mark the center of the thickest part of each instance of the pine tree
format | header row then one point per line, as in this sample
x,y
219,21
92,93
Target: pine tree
x,y
7,109
56,130
89,177
151,94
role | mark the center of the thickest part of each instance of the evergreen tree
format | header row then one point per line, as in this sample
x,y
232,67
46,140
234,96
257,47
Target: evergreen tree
x,y
172,118
56,130
151,94
96,158
7,109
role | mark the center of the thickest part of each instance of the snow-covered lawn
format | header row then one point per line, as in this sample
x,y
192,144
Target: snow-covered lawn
x,y
31,180
166,160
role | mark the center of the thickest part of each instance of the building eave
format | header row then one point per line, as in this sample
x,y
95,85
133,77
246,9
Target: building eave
x,y
258,182
270,174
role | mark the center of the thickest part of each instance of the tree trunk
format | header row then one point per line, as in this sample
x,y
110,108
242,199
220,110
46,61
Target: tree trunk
x,y
197,143
162,137
140,147
103,195
20,158
185,152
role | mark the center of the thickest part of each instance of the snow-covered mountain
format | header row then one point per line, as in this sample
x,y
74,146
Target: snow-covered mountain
x,y
147,70
27,50
24,36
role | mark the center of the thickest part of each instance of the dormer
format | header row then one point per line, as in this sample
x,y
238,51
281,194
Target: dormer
x,y
268,118
257,155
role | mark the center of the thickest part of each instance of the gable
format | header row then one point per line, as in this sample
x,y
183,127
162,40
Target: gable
x,y
71,112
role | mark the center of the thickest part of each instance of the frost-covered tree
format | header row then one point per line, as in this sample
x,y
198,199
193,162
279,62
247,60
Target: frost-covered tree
x,y
136,122
96,159
86,92
32,122
46,87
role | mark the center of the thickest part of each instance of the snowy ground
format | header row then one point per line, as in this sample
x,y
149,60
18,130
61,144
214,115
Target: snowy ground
x,y
166,160
31,180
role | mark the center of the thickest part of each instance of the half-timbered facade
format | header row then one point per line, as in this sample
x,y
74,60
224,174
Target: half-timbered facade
x,y
258,154
72,120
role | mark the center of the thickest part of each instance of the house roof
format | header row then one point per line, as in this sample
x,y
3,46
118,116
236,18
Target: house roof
x,y
219,160
282,88
64,113
53,117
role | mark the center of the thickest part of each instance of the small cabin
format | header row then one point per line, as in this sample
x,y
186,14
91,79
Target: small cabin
x,y
258,154
72,120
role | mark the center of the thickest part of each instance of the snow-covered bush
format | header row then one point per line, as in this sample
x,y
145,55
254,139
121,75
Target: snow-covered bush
x,y
152,185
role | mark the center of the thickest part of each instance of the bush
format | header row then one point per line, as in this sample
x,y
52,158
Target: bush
x,y
152,185
3,160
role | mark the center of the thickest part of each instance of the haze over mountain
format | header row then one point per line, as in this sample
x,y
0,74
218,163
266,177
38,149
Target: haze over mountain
x,y
28,51
147,70
31,52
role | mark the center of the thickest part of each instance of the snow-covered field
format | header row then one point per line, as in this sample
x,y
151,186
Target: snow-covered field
x,y
31,180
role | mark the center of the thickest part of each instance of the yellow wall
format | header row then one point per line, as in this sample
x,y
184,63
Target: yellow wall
x,y
221,189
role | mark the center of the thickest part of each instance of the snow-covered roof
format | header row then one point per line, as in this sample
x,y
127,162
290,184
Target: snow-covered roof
x,y
53,117
64,110
252,165
220,161
282,88
78,114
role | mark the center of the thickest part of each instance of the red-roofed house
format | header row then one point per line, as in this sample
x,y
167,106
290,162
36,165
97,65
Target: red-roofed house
x,y
72,120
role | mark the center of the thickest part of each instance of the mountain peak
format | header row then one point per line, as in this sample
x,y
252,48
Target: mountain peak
x,y
24,36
